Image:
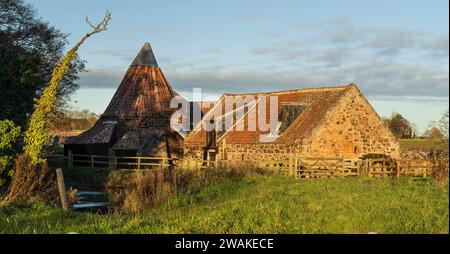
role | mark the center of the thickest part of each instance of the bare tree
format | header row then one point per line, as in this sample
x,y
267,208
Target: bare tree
x,y
442,124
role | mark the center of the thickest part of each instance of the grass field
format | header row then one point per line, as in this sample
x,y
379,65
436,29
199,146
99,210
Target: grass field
x,y
264,205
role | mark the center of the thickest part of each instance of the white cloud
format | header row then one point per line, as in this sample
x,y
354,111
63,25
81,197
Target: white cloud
x,y
383,62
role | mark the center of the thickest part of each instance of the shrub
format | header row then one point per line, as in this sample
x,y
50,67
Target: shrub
x,y
32,182
8,135
440,171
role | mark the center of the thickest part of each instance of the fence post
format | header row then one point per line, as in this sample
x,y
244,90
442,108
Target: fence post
x,y
425,171
139,162
163,164
291,166
92,161
62,189
69,159
398,169
296,170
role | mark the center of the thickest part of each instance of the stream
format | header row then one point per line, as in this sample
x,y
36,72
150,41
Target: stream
x,y
92,201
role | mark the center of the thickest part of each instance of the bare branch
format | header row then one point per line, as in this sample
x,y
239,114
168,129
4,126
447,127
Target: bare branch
x,y
102,26
89,23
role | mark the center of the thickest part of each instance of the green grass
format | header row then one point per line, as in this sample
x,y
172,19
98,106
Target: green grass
x,y
423,144
264,205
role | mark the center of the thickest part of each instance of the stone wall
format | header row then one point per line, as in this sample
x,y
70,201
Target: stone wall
x,y
424,154
194,152
351,129
258,152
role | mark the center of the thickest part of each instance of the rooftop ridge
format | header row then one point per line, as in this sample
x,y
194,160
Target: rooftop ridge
x,y
145,57
342,87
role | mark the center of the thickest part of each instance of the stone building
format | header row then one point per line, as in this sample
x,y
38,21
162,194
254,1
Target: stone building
x,y
319,122
137,120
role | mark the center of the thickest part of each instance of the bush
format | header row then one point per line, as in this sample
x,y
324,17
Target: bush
x,y
440,171
8,135
32,182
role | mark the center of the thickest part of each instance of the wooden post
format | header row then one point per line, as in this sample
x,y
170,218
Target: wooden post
x,y
217,162
62,189
139,163
163,163
70,159
296,169
92,161
424,170
358,169
398,169
291,166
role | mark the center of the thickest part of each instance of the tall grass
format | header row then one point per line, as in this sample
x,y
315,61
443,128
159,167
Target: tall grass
x,y
31,182
138,191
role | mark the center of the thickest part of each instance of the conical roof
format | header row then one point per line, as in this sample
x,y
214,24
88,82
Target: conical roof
x,y
144,91
145,57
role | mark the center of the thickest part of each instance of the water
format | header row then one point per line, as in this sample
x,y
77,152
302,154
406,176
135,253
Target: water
x,y
93,201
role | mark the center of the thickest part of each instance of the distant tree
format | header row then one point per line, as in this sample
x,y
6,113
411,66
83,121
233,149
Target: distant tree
x,y
400,126
29,49
71,120
442,125
434,133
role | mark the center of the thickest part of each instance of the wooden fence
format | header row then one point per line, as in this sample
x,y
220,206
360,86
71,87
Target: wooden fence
x,y
135,162
405,167
303,167
119,162
297,167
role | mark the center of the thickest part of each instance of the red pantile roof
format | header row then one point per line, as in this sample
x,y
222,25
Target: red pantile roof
x,y
317,100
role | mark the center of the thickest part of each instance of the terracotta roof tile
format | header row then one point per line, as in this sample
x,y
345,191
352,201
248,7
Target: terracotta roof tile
x,y
318,101
144,92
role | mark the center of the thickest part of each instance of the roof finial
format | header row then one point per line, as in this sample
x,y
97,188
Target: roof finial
x,y
145,57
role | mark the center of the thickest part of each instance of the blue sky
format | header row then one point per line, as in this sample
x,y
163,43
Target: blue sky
x,y
396,51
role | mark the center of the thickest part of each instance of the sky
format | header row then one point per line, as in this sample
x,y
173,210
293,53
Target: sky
x,y
397,52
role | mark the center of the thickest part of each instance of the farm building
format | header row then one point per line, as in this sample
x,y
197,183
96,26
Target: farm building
x,y
319,122
136,121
